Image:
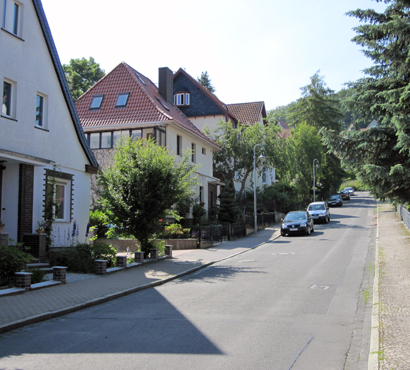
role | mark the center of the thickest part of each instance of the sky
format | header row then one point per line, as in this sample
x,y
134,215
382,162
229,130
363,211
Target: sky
x,y
253,50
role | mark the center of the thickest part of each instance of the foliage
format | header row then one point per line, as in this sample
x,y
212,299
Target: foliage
x,y
198,214
281,194
99,220
141,185
205,81
82,74
12,260
175,231
317,106
234,162
380,155
37,275
229,211
81,257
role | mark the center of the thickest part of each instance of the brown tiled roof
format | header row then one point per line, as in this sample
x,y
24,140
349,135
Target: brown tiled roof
x,y
284,125
145,104
248,113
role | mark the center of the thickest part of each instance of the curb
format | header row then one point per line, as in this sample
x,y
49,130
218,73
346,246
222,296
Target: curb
x,y
53,314
373,361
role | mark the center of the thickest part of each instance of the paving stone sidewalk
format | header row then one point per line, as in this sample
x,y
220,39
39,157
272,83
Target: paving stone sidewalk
x,y
394,290
43,304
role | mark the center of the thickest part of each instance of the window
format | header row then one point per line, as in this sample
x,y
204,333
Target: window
x,y
204,151
96,102
182,99
95,140
122,99
161,138
179,145
106,140
136,134
162,103
41,111
201,194
7,90
12,17
193,147
118,134
59,194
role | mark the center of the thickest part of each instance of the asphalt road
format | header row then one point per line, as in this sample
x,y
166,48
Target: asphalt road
x,y
289,304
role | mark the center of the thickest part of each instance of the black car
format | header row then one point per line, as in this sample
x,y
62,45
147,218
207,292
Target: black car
x,y
298,222
335,200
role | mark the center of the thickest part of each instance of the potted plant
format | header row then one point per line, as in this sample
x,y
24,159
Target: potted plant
x,y
1,227
41,228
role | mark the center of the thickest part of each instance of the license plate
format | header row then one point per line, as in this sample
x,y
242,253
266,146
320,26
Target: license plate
x,y
294,229
315,217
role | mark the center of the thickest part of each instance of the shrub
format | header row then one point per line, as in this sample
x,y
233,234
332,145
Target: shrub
x,y
12,260
37,275
81,257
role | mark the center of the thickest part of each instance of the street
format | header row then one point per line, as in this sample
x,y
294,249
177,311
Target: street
x,y
293,303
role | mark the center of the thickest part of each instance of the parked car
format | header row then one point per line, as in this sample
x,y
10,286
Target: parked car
x,y
319,211
345,194
350,190
297,222
335,200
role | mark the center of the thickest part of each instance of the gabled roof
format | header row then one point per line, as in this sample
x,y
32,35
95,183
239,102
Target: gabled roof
x,y
248,113
208,94
145,105
62,80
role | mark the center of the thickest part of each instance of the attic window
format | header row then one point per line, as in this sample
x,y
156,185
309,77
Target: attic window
x,y
182,99
122,100
96,102
163,104
139,77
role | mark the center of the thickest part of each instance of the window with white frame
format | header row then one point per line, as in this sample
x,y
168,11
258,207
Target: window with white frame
x,y
9,96
41,111
59,195
203,151
12,16
182,99
161,138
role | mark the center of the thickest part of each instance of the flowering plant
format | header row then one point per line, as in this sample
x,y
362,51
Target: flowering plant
x,y
41,225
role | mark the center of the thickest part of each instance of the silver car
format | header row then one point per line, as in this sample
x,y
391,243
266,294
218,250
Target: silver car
x,y
319,212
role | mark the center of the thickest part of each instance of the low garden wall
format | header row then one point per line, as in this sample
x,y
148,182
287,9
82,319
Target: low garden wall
x,y
122,245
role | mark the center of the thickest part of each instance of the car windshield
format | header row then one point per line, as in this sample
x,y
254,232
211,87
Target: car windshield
x,y
334,197
295,216
317,207
348,188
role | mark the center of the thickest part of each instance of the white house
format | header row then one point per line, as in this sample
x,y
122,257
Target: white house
x,y
42,143
125,102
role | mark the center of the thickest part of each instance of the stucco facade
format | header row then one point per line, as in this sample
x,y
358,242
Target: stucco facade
x,y
39,130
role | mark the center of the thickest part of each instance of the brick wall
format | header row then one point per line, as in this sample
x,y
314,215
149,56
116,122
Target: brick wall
x,y
25,207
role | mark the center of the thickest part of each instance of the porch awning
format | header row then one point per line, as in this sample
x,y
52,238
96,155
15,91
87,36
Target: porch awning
x,y
9,155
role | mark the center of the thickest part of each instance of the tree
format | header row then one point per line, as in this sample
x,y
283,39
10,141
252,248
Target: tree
x,y
234,162
380,156
317,106
81,74
205,81
141,185
228,209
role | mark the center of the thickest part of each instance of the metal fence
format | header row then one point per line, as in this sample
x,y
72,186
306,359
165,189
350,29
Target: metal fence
x,y
404,215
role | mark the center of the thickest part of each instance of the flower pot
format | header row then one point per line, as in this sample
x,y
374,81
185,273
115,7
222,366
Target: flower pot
x,y
40,231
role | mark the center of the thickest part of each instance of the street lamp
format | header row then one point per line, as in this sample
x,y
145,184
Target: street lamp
x,y
254,182
314,182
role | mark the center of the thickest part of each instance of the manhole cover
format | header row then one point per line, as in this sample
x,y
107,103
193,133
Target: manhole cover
x,y
320,287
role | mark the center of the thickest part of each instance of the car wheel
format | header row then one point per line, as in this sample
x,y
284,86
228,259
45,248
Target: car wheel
x,y
282,233
308,231
326,220
313,228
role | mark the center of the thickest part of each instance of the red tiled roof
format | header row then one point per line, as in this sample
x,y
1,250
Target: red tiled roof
x,y
284,125
248,113
143,106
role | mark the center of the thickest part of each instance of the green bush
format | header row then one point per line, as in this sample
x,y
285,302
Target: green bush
x,y
37,275
81,257
12,260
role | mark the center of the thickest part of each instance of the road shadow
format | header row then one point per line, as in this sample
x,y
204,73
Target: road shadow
x,y
144,322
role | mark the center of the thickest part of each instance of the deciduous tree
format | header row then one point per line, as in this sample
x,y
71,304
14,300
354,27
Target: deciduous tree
x,y
141,185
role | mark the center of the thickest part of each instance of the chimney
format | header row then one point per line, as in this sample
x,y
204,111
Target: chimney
x,y
166,84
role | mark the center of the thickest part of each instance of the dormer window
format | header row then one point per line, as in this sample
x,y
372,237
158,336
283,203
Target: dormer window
x,y
182,99
122,100
96,102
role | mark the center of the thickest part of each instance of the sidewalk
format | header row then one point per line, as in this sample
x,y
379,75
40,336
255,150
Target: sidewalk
x,y
43,304
391,309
